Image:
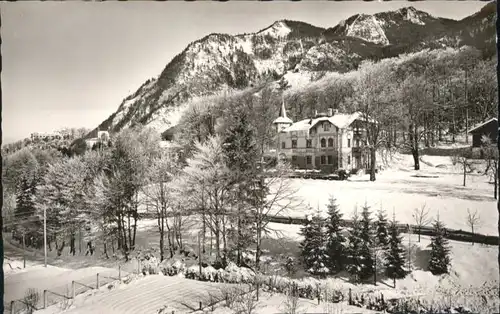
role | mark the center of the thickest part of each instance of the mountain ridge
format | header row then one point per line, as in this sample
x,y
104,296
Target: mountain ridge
x,y
221,62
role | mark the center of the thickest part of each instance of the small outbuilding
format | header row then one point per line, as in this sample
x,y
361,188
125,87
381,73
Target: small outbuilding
x,y
488,128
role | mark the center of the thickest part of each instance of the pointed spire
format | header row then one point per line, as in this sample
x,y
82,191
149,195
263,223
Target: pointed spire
x,y
282,109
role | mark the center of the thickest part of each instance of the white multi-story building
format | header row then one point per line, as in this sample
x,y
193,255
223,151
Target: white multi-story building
x,y
327,141
46,136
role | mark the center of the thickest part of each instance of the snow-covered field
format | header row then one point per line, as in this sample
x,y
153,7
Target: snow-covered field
x,y
402,189
55,279
143,295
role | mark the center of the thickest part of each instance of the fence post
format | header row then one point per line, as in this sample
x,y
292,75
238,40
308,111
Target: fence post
x,y
44,299
73,288
97,284
200,306
318,295
120,272
12,307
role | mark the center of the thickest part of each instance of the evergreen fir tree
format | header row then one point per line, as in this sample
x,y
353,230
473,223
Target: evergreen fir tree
x,y
380,242
336,240
241,156
394,254
24,211
314,252
367,244
24,198
439,261
353,250
382,237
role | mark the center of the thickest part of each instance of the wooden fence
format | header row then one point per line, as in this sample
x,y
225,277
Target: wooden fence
x,y
77,288
451,234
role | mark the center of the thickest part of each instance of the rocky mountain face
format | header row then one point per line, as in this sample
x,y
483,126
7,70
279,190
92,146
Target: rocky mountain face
x,y
221,62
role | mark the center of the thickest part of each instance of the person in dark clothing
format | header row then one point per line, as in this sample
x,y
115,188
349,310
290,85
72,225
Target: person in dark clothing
x,y
90,248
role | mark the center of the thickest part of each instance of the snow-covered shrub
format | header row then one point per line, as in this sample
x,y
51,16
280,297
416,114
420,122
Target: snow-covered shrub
x,y
148,262
235,274
290,266
150,266
208,274
188,251
193,272
172,268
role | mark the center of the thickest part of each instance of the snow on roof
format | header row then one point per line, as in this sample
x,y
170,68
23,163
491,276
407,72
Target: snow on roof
x,y
283,120
482,124
340,120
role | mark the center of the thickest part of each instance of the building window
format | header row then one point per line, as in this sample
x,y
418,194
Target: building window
x,y
294,160
323,160
326,126
357,143
323,142
349,159
348,142
308,160
330,142
309,143
330,159
294,143
283,145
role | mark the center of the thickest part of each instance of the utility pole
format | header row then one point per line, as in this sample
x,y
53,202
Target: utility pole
x,y
45,235
24,250
199,250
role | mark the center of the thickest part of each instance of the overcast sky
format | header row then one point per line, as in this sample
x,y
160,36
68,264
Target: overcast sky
x,y
72,63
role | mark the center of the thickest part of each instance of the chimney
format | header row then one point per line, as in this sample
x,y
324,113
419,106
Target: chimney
x,y
315,113
330,112
335,111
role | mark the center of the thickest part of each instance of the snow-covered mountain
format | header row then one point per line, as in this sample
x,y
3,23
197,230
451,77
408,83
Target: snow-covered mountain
x,y
220,62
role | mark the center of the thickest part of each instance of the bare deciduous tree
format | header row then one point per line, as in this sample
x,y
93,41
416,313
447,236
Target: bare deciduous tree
x,y
464,162
158,199
473,220
291,304
421,217
373,99
490,155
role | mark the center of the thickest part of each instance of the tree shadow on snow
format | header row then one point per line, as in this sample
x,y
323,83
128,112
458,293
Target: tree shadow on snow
x,y
420,258
442,190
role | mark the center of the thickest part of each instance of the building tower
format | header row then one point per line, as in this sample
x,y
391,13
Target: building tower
x,y
282,122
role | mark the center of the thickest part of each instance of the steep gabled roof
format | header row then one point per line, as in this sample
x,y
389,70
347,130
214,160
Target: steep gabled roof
x,y
282,118
483,125
340,120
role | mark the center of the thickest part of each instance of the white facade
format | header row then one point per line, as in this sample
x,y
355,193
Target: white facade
x,y
327,141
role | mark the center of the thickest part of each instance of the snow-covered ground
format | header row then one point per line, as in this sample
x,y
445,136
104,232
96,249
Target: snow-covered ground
x,y
277,303
142,295
12,266
474,272
55,279
401,189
